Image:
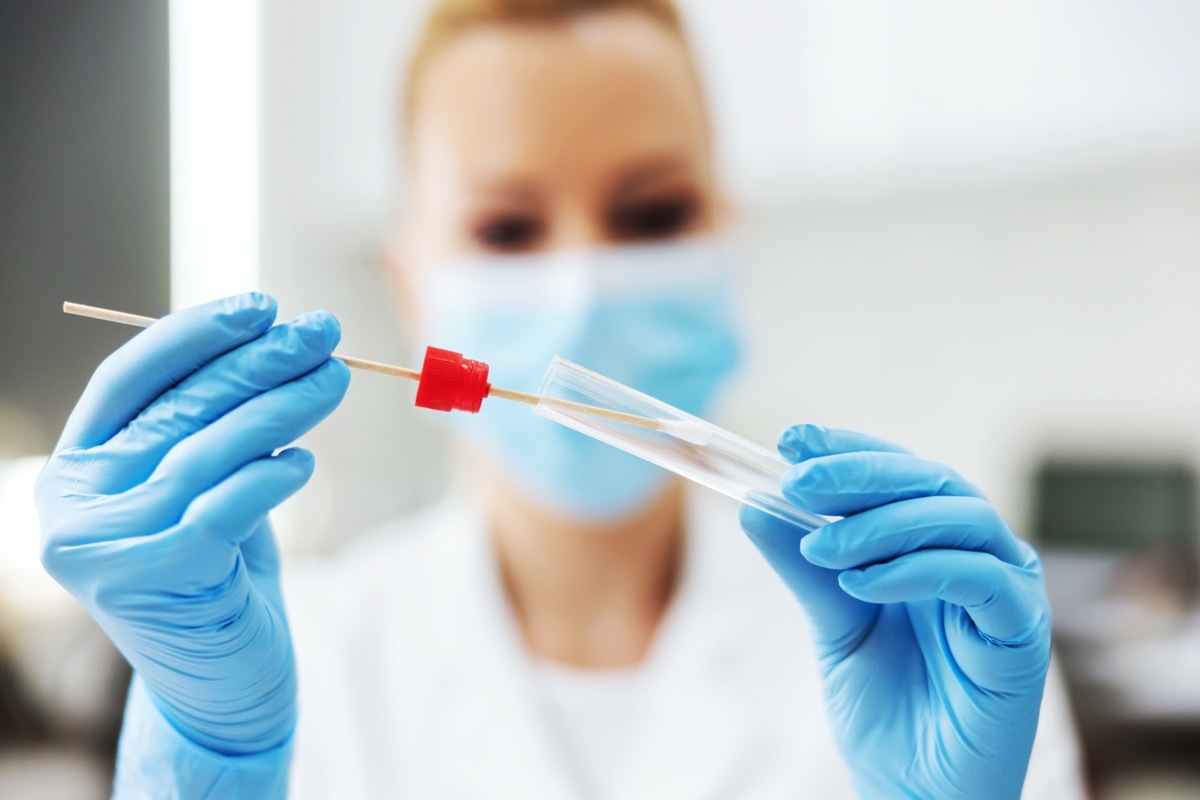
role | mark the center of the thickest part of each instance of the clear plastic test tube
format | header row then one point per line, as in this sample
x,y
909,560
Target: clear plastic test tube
x,y
673,439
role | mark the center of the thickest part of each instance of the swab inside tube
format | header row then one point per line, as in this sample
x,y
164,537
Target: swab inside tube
x,y
682,443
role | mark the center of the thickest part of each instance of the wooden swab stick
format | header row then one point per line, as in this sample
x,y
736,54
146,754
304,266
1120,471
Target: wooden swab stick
x,y
108,315
139,321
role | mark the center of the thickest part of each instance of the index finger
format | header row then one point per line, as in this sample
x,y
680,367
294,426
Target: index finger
x,y
160,357
848,483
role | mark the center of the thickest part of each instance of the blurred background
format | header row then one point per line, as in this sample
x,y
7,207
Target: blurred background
x,y
972,228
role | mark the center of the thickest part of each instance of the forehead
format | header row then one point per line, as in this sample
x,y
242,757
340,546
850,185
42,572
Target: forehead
x,y
586,95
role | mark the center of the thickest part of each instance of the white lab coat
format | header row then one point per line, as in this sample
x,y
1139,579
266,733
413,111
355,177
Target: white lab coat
x,y
414,683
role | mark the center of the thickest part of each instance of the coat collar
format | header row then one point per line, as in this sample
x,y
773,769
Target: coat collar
x,y
693,731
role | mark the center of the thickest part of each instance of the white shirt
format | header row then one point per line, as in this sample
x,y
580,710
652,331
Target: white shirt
x,y
592,712
414,683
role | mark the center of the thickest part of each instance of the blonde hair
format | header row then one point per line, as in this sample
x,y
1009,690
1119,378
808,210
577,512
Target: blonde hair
x,y
449,19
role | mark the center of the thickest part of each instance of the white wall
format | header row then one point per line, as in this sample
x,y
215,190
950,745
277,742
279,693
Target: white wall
x,y
858,95
970,227
329,97
985,326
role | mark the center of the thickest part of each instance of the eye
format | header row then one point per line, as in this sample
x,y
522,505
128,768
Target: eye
x,y
653,219
509,232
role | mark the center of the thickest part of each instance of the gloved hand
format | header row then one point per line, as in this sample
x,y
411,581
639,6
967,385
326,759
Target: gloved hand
x,y
154,506
929,617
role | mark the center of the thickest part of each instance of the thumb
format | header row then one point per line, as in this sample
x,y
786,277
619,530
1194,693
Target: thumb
x,y
261,554
231,518
839,621
232,510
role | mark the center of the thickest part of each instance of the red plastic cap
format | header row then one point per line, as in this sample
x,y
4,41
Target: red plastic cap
x,y
450,382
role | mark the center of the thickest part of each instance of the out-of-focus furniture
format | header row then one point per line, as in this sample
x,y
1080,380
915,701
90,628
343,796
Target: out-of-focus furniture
x,y
1120,543
62,683
62,688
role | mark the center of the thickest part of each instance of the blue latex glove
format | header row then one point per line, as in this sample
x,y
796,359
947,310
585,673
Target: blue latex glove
x,y
929,617
154,506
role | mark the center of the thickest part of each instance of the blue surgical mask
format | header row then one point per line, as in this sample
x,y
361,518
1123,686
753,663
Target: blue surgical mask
x,y
658,318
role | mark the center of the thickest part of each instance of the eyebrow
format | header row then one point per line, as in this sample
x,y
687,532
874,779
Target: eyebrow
x,y
629,181
634,178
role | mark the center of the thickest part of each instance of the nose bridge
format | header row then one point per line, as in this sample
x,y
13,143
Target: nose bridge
x,y
577,225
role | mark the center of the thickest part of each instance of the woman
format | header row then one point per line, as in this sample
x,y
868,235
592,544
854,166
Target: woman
x,y
576,623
